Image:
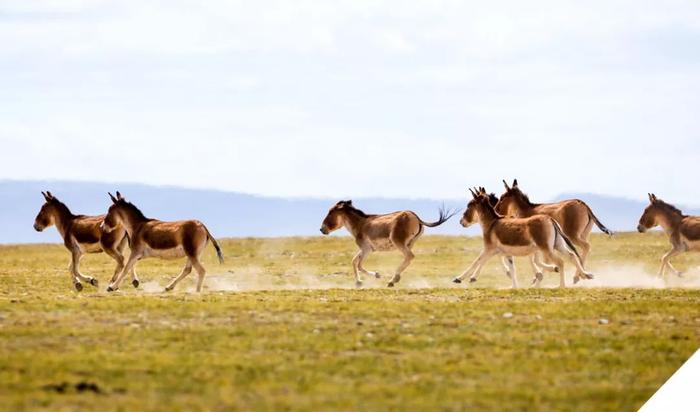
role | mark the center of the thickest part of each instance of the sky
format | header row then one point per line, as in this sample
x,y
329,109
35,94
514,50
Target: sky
x,y
355,98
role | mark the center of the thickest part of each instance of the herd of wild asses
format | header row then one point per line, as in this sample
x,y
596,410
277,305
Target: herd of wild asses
x,y
511,226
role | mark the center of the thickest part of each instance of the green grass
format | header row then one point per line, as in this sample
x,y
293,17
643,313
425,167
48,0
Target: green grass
x,y
443,347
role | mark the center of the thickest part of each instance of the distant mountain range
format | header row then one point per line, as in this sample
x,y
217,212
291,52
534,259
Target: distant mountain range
x,y
229,214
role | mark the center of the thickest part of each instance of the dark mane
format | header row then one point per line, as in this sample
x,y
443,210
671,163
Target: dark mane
x,y
137,212
526,198
352,209
62,208
668,207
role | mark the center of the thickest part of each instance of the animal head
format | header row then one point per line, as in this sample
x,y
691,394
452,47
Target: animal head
x,y
650,217
480,200
115,213
47,214
336,216
508,203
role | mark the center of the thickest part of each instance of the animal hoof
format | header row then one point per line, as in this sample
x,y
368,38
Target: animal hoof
x,y
455,280
358,284
472,280
589,276
390,285
93,282
136,283
556,269
377,275
78,286
576,279
168,288
110,288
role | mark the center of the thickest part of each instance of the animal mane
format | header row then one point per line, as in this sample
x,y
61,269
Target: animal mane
x,y
669,207
139,214
62,208
352,209
526,198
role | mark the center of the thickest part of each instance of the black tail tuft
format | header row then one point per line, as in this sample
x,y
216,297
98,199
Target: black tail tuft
x,y
444,216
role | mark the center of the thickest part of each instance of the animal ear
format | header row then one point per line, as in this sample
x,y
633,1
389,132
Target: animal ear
x,y
506,184
114,199
515,183
349,202
46,196
472,192
482,190
654,198
119,196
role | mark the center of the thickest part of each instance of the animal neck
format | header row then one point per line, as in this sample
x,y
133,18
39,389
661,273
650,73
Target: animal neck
x,y
353,223
524,207
132,221
669,220
487,216
62,218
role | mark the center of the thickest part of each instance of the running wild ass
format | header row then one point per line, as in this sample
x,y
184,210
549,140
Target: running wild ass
x,y
83,234
574,216
398,230
516,237
155,238
683,231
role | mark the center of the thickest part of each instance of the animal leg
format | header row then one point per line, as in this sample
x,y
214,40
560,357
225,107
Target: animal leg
x,y
511,271
119,258
362,256
76,255
201,272
185,271
545,265
133,258
665,261
506,264
581,273
559,263
407,258
537,269
355,269
483,257
584,248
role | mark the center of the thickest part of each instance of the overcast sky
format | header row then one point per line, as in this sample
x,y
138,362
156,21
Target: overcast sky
x,y
355,98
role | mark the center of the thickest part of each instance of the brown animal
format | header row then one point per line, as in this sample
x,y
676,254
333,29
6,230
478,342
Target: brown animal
x,y
516,237
83,234
683,231
155,238
574,216
398,230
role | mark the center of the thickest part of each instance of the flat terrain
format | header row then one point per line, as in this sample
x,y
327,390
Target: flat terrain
x,y
281,327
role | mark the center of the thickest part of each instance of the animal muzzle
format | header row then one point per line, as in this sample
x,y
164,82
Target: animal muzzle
x,y
641,229
324,230
38,227
464,223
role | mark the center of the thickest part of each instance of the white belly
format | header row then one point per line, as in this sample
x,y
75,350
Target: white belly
x,y
173,253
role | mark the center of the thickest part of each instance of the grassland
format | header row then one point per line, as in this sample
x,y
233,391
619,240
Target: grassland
x,y
260,339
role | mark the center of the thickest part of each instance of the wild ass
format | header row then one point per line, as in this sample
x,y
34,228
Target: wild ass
x,y
83,234
683,231
516,237
155,238
574,216
397,230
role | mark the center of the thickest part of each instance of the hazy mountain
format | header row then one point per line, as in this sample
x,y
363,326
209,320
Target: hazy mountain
x,y
235,214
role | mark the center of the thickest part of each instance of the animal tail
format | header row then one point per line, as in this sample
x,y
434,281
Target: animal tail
x,y
219,254
445,215
597,222
559,232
